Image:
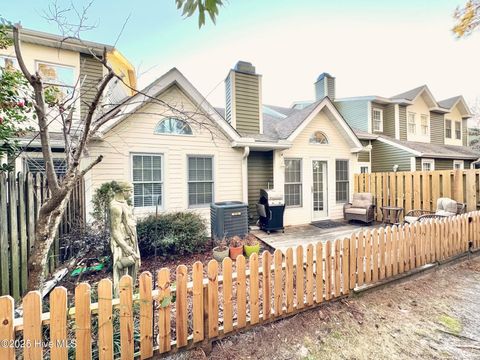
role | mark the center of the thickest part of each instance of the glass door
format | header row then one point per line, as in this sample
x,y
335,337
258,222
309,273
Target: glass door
x,y
319,189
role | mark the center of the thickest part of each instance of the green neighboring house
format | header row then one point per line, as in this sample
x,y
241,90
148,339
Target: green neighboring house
x,y
409,131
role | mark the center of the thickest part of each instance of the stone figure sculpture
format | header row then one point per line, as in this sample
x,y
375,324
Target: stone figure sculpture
x,y
123,232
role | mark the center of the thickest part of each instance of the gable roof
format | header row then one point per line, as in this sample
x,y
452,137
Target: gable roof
x,y
410,94
170,78
450,103
421,149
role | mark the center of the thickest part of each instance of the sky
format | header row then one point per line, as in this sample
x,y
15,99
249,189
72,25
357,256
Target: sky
x,y
371,47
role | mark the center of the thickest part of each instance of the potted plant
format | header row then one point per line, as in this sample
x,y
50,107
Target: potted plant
x,y
236,247
220,251
251,245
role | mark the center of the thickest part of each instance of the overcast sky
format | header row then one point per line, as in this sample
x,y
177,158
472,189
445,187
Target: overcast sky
x,y
371,47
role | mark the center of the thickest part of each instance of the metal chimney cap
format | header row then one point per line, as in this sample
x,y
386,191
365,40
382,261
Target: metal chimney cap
x,y
244,67
323,75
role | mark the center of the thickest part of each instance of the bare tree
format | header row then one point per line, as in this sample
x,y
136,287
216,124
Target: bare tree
x,y
49,108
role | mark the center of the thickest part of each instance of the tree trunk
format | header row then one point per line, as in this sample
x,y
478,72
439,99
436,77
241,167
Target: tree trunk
x,y
49,218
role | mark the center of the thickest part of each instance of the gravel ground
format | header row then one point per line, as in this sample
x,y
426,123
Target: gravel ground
x,y
434,316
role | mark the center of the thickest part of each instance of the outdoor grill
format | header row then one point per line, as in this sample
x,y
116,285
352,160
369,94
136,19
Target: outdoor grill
x,y
270,209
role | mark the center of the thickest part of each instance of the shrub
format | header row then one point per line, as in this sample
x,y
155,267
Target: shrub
x,y
172,234
101,201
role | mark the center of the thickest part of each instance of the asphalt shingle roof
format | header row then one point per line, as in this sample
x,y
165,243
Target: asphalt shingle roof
x,y
410,94
448,103
437,151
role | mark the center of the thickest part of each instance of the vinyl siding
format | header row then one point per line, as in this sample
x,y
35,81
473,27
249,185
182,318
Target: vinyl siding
x,y
437,128
260,176
91,73
364,156
384,156
136,135
402,114
381,107
331,87
442,164
355,113
247,102
338,148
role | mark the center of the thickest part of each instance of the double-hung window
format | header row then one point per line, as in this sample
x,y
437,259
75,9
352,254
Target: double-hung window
x,y
411,123
341,180
293,182
147,176
377,116
200,180
448,129
425,124
458,130
458,164
428,164
59,77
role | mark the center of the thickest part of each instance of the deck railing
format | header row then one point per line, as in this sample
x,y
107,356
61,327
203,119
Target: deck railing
x,y
192,307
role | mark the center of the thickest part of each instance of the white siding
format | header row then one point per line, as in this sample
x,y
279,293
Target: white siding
x,y
338,148
136,135
419,107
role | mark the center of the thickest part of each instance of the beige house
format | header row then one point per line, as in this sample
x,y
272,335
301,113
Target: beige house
x,y
71,67
188,154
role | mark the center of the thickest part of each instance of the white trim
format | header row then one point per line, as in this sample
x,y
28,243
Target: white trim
x,y
364,164
143,209
199,155
381,119
326,203
402,147
428,161
172,77
428,125
430,95
397,121
246,152
413,164
326,102
460,162
369,117
414,123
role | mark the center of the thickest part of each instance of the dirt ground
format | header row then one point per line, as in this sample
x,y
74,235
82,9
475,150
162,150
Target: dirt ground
x,y
434,316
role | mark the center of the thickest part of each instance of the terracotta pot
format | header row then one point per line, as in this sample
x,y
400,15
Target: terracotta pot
x,y
219,254
235,251
250,249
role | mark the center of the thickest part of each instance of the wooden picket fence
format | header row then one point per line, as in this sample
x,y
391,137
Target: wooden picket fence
x,y
211,305
21,197
420,189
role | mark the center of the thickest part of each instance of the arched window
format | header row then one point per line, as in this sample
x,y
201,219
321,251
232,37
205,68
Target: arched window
x,y
318,137
173,126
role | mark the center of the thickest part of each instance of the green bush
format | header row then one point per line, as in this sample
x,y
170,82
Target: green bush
x,y
172,234
101,201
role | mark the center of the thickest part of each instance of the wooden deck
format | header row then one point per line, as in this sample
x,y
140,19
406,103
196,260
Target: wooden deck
x,y
306,234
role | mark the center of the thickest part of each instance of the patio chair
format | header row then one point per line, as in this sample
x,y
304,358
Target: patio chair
x,y
361,208
445,207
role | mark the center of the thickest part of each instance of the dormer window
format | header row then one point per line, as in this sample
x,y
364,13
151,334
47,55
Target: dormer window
x,y
412,129
425,124
173,126
458,130
377,116
448,129
319,138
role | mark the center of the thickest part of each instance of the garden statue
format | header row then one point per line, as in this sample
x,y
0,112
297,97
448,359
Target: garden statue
x,y
123,232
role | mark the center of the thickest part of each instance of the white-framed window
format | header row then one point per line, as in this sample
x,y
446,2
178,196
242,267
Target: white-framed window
x,y
293,182
364,169
62,77
458,165
377,116
147,179
341,181
8,62
428,164
173,126
448,129
200,180
318,137
458,130
412,127
425,124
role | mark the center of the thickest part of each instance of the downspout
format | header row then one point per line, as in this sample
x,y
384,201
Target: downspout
x,y
246,152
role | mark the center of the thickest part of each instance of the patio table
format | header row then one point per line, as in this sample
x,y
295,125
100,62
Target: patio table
x,y
391,214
